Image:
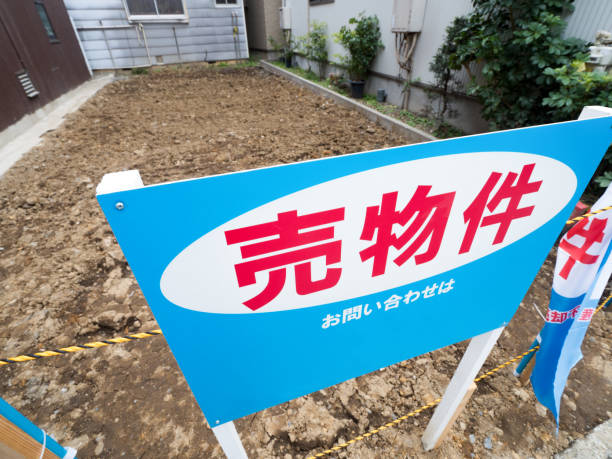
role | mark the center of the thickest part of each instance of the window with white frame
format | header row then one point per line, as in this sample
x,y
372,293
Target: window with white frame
x,y
156,10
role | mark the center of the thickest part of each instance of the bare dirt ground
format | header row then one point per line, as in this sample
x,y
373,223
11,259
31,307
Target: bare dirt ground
x,y
63,280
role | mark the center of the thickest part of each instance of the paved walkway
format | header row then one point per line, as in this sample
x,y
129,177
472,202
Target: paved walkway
x,y
31,128
596,445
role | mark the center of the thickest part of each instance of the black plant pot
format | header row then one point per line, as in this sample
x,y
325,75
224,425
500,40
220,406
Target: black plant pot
x,y
357,89
288,60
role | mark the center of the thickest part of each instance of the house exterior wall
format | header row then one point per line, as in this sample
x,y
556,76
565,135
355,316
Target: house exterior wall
x,y
588,17
54,67
385,70
110,40
263,22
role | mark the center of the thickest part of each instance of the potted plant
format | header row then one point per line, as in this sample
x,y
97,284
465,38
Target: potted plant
x,y
285,50
361,39
288,52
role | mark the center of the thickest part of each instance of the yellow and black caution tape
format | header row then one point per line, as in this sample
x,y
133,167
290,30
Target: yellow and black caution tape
x,y
79,347
333,449
125,339
431,404
395,422
340,446
587,215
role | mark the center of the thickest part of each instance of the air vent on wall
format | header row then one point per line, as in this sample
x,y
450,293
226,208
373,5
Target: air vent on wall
x,y
27,84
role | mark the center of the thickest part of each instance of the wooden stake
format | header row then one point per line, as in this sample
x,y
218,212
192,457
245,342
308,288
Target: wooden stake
x,y
456,414
16,444
228,438
455,395
526,373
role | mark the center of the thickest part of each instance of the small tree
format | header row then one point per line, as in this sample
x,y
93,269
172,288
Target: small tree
x,y
285,49
514,41
445,78
363,44
314,46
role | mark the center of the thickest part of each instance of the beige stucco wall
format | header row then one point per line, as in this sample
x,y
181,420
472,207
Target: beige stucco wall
x,y
262,20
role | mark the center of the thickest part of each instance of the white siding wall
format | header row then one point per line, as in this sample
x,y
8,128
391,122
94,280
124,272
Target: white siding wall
x,y
589,17
111,41
438,14
336,14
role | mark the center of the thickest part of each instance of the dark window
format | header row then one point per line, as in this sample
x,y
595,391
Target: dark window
x,y
44,17
227,2
155,7
320,2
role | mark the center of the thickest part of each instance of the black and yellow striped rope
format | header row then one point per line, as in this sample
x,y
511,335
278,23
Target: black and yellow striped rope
x,y
429,405
125,339
379,429
433,403
587,215
79,347
395,422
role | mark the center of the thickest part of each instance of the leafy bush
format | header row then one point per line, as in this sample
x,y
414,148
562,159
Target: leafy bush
x,y
530,73
362,42
314,45
576,89
515,42
285,49
445,77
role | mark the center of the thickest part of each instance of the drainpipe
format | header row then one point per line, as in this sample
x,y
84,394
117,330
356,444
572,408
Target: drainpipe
x,y
178,50
140,27
110,51
235,34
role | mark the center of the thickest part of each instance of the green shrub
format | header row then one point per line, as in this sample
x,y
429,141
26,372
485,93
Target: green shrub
x,y
286,48
363,44
314,45
515,42
577,88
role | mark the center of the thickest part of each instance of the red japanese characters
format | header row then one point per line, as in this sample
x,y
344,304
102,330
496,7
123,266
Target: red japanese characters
x,y
415,231
473,215
380,220
287,229
594,233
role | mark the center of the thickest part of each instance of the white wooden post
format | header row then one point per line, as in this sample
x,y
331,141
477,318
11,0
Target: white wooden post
x,y
228,438
477,352
226,434
594,111
479,348
119,181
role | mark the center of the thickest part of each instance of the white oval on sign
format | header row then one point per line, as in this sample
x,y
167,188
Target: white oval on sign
x,y
204,277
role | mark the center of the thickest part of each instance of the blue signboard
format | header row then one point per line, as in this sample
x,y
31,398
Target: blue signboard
x,y
273,283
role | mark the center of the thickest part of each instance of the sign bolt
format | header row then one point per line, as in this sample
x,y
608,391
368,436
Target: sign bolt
x,y
119,206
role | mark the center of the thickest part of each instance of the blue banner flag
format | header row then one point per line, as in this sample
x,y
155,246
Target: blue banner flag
x,y
582,272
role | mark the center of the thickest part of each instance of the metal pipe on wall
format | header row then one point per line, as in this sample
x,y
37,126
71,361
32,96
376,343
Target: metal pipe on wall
x,y
110,51
140,27
178,50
